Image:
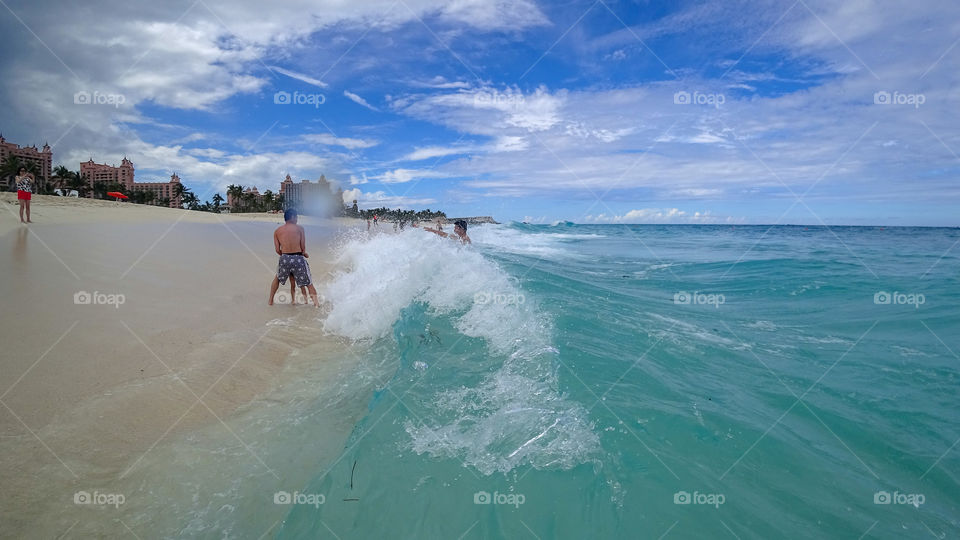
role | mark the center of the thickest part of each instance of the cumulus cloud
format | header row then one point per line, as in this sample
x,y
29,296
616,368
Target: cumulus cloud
x,y
192,56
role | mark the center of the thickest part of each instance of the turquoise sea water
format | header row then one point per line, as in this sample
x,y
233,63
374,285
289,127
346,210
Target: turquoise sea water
x,y
617,381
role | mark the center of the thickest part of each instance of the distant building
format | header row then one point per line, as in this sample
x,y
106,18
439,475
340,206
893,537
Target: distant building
x,y
161,190
311,197
97,173
233,202
43,159
101,173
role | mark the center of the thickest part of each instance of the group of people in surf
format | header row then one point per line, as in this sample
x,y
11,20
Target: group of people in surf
x,y
290,243
459,228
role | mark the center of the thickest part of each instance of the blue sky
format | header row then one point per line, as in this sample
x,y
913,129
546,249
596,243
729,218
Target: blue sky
x,y
609,112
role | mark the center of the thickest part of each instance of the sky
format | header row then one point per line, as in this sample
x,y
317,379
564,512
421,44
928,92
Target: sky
x,y
741,111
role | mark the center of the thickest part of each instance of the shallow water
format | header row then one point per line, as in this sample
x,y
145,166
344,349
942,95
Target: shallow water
x,y
588,381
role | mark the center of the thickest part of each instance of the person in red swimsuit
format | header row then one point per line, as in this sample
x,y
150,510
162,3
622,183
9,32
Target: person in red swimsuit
x,y
24,192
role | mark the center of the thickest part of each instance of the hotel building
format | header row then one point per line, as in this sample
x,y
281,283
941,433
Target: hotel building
x,y
123,175
42,159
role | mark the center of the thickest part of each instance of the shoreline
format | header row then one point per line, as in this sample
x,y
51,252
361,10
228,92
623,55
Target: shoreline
x,y
88,390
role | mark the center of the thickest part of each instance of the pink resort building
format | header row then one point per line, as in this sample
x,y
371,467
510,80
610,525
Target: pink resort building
x,y
234,202
43,159
123,175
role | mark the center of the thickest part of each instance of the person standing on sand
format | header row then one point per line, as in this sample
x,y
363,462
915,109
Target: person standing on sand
x,y
24,191
459,227
289,241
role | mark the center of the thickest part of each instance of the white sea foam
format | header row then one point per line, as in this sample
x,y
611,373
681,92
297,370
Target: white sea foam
x,y
515,415
548,245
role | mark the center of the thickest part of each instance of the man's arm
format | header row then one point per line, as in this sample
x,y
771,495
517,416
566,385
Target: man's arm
x,y
303,241
276,243
434,231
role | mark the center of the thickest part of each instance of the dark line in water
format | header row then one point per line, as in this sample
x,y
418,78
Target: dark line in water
x,y
351,473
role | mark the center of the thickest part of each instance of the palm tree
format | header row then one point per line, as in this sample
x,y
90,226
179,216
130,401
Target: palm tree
x,y
61,177
235,193
249,200
178,191
267,204
79,183
217,201
190,199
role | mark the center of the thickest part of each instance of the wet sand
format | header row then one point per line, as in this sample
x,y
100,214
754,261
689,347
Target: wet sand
x,y
124,328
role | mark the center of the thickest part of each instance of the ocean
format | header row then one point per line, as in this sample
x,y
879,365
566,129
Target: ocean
x,y
593,381
644,381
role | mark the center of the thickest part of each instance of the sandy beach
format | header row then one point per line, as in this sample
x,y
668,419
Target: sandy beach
x,y
124,328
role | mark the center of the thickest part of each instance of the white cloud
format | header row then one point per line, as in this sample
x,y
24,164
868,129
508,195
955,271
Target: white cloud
x,y
430,152
440,82
501,144
359,100
299,76
661,215
379,198
355,181
487,111
400,176
346,142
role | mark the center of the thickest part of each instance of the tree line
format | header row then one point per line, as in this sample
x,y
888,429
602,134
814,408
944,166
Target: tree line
x,y
64,179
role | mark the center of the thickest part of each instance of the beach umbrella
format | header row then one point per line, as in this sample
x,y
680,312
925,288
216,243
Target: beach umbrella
x,y
117,194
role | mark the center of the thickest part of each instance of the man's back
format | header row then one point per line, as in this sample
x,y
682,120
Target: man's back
x,y
290,237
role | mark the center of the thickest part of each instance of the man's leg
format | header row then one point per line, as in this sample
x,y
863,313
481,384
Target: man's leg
x,y
293,290
313,294
273,289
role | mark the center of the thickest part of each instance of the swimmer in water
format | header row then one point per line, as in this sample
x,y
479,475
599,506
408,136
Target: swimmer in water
x,y
459,228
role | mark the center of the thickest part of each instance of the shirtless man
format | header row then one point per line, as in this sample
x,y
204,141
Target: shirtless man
x,y
289,241
459,227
